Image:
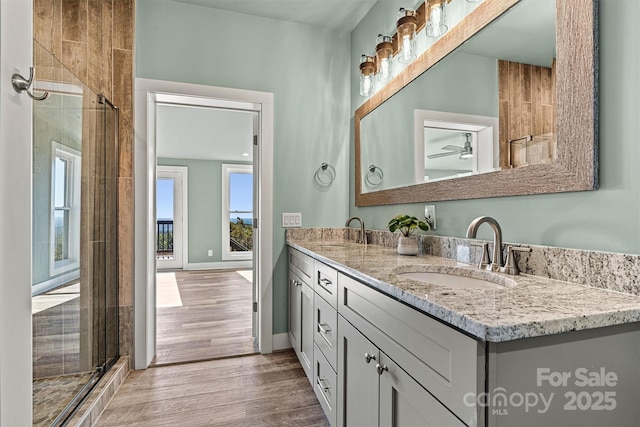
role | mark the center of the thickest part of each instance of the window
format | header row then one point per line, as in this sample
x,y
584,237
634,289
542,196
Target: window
x,y
237,213
65,209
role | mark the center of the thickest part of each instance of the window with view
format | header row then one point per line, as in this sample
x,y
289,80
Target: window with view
x,y
238,215
65,197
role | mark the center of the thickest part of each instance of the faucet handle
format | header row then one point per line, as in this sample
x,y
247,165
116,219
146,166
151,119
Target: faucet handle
x,y
485,261
510,266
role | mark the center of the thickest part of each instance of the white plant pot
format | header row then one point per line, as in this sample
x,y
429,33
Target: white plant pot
x,y
407,245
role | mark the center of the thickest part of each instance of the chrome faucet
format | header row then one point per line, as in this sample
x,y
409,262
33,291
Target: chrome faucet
x,y
363,234
495,263
510,267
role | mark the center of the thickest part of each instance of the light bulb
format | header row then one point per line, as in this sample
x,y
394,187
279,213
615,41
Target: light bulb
x,y
366,85
385,70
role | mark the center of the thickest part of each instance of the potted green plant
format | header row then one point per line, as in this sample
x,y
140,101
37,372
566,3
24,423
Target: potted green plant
x,y
407,225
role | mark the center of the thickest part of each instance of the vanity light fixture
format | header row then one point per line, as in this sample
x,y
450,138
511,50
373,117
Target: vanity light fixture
x,y
436,17
407,25
367,71
384,57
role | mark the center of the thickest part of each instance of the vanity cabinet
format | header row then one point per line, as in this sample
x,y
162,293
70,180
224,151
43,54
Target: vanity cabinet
x,y
301,268
376,361
420,369
313,325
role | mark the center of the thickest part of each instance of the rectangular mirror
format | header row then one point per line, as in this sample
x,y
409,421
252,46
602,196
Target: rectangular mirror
x,y
505,103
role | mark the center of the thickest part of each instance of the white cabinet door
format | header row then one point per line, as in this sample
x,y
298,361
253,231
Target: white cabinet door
x,y
404,403
306,330
357,378
295,291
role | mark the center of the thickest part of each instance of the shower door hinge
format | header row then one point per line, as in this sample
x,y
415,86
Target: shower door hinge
x,y
255,307
255,139
255,222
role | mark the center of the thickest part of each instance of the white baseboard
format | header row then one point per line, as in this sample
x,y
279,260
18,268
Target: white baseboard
x,y
281,341
217,265
47,285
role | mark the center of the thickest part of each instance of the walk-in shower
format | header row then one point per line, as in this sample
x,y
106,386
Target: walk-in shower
x,y
75,247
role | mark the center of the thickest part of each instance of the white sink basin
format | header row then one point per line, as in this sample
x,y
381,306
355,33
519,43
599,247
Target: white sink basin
x,y
457,281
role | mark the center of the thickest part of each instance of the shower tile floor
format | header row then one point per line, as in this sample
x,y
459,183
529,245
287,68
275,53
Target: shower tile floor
x,y
51,396
56,347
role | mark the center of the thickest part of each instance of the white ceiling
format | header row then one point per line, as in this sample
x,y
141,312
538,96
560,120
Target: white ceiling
x,y
336,14
205,133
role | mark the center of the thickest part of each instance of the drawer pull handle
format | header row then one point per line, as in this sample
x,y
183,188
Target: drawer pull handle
x,y
323,386
324,328
369,357
381,368
325,282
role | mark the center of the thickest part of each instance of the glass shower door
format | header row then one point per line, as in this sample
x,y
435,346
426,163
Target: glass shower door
x,y
75,247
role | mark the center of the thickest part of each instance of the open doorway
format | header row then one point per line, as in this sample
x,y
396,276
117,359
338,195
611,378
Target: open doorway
x,y
205,299
149,95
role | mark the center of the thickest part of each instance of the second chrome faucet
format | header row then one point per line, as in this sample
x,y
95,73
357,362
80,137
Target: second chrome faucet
x,y
363,234
495,262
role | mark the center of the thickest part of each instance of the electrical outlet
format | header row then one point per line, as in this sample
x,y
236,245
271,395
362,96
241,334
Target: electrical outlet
x,y
430,215
290,220
210,252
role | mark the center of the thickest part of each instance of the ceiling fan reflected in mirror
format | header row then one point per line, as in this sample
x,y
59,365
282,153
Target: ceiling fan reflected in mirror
x,y
465,152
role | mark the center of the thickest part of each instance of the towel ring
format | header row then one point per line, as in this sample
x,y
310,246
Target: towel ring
x,y
325,174
374,176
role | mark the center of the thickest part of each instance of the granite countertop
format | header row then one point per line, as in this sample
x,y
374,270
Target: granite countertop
x,y
526,306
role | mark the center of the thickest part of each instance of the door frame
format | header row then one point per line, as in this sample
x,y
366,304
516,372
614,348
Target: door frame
x,y
180,212
16,118
147,94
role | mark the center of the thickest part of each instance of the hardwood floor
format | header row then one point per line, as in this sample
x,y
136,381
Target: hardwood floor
x,y
213,321
257,390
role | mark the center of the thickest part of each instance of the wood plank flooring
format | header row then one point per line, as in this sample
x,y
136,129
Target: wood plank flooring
x,y
214,320
257,390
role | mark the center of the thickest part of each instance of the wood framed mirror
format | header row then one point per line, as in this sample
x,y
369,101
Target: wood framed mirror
x,y
574,162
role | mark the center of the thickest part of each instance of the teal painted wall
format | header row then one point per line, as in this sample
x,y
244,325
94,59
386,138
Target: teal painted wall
x,y
607,219
204,196
307,70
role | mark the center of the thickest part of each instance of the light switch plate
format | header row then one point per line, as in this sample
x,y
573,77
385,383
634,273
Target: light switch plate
x,y
291,220
430,215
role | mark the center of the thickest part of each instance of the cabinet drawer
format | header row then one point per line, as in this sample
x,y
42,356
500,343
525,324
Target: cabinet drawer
x,y
325,385
326,283
325,321
302,265
442,360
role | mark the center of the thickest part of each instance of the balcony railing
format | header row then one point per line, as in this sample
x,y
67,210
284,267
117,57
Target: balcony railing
x,y
164,238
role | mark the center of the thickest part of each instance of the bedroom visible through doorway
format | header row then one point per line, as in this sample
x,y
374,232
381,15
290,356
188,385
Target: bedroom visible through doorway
x,y
205,243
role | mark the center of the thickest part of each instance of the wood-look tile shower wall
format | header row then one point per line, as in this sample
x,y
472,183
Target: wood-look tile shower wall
x,y
94,39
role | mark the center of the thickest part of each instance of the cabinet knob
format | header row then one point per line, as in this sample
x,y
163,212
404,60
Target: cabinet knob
x,y
369,357
381,368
